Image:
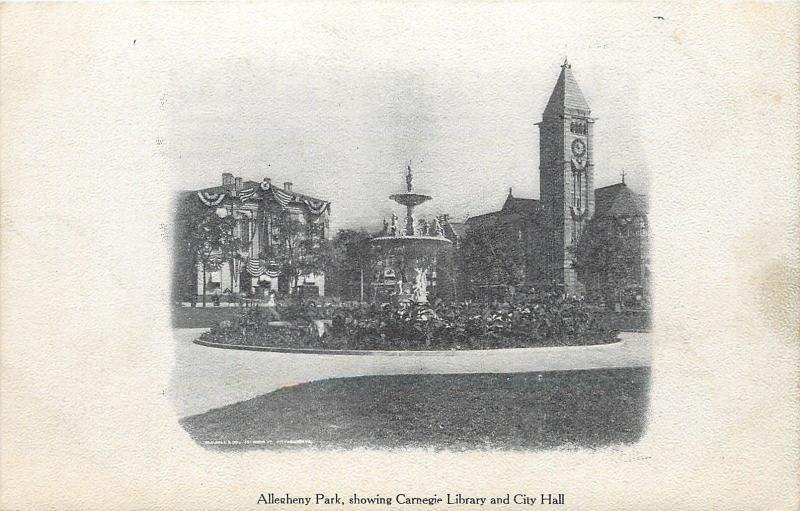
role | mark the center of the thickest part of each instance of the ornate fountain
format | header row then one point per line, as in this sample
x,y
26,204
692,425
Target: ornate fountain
x,y
411,245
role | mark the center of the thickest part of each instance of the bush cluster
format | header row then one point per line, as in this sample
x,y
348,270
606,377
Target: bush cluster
x,y
543,320
443,325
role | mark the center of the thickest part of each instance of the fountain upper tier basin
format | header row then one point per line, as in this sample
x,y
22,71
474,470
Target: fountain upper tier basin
x,y
410,199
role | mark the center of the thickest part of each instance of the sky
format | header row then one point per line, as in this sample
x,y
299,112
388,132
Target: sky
x,y
340,104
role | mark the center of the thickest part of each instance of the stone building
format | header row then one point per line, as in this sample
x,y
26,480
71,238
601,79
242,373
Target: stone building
x,y
260,209
551,226
620,219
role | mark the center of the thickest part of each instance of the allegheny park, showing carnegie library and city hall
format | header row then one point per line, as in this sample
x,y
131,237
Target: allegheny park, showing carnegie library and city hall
x,y
522,328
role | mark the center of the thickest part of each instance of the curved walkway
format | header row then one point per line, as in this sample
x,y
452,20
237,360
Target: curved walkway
x,y
206,378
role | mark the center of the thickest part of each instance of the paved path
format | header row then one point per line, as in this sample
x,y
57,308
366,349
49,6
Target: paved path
x,y
206,378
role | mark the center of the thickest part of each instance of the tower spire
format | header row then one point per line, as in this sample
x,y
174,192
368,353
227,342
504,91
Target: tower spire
x,y
566,95
623,176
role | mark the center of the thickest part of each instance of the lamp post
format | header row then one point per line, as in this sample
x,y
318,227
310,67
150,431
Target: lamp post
x,y
361,269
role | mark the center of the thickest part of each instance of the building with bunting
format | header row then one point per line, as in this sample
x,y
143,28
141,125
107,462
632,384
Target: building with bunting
x,y
263,213
549,228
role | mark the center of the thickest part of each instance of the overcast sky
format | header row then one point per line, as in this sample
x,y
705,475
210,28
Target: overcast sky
x,y
339,105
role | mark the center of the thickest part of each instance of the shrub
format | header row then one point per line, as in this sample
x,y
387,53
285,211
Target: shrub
x,y
544,319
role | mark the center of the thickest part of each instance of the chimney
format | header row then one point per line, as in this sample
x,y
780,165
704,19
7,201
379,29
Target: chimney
x,y
227,178
287,185
238,183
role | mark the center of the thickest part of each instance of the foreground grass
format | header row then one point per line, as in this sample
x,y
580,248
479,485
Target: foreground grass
x,y
465,411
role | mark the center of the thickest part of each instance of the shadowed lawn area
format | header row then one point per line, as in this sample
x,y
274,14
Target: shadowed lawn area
x,y
464,411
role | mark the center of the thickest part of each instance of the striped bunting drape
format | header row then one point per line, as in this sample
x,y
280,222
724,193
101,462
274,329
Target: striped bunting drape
x,y
316,207
247,194
211,199
281,196
284,198
257,268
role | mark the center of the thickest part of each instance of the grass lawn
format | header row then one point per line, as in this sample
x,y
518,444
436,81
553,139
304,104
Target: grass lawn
x,y
464,411
202,317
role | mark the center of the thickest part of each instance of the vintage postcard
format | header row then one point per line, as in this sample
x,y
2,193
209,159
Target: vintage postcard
x,y
450,255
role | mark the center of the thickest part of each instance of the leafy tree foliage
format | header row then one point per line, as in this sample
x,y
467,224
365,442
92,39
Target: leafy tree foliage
x,y
494,254
300,247
202,239
352,257
609,257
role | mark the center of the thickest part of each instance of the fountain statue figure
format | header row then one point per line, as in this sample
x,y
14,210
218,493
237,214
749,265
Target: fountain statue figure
x,y
412,246
420,286
437,228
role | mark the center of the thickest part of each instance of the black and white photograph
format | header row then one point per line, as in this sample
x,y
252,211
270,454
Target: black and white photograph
x,y
398,297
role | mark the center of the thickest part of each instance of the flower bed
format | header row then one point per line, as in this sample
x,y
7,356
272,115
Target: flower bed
x,y
546,321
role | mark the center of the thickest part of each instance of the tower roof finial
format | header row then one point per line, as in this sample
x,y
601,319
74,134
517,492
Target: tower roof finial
x,y
623,176
566,63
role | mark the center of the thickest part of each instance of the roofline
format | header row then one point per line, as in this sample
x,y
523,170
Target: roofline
x,y
483,215
256,184
611,186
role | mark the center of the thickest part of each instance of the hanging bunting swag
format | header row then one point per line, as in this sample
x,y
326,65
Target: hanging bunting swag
x,y
247,194
257,268
282,197
272,270
211,199
316,207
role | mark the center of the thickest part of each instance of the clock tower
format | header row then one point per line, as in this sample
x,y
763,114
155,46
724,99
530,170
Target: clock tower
x,y
566,178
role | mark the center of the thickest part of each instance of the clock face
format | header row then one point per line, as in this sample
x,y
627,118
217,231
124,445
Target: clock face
x,y
578,147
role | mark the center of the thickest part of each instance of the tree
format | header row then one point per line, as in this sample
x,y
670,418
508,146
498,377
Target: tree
x,y
494,254
301,247
352,263
203,239
449,274
609,257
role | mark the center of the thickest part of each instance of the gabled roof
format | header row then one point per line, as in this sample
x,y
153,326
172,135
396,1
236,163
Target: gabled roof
x,y
618,201
520,206
484,217
566,95
514,208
